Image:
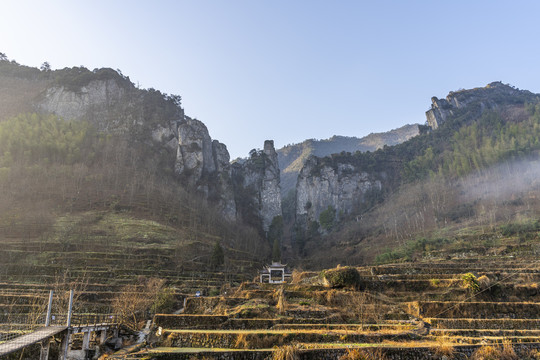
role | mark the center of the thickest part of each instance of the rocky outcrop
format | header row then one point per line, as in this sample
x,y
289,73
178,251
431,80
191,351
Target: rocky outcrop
x,y
342,186
157,123
203,164
113,104
270,186
98,99
194,155
257,186
476,100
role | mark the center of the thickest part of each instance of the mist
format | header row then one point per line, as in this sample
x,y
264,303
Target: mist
x,y
508,181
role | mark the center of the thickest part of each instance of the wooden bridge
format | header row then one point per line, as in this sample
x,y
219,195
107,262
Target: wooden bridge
x,y
75,323
39,335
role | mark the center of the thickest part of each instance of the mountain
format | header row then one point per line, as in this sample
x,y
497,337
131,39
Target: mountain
x,y
293,157
77,144
456,176
76,140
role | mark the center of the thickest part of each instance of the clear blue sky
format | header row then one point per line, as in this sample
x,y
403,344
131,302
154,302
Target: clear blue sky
x,y
287,70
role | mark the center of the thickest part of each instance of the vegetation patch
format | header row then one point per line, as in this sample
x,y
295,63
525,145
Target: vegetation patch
x,y
342,277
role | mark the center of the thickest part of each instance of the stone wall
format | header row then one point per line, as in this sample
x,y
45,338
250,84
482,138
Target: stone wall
x,y
482,310
395,353
267,339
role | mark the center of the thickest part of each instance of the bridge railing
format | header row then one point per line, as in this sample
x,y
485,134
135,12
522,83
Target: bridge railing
x,y
12,334
13,326
18,325
84,319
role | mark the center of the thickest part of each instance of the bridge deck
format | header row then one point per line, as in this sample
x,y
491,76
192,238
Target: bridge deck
x,y
29,339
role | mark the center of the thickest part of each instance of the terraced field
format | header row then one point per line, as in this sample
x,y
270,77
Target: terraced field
x,y
104,255
404,311
419,310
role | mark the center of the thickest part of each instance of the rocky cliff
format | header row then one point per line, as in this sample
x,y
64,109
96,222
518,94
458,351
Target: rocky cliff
x,y
203,164
257,186
478,100
342,186
98,101
111,102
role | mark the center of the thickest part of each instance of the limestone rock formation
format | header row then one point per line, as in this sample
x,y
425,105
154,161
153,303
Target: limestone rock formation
x,y
194,155
204,164
270,189
257,186
490,97
156,124
97,98
343,187
113,104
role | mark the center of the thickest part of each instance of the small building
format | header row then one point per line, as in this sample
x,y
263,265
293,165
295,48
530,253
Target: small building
x,y
276,273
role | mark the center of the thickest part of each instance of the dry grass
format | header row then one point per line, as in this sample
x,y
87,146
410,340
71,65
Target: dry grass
x,y
533,355
507,351
250,341
298,276
486,353
241,342
287,352
445,349
364,354
504,352
484,282
281,301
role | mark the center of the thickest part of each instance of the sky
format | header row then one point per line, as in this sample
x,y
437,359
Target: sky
x,y
287,70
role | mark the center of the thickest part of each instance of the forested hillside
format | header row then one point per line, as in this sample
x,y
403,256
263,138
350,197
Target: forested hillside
x,y
54,169
476,174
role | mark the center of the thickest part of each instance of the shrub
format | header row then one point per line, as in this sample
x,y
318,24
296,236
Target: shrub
x,y
213,292
470,282
286,352
164,302
484,282
507,351
516,228
327,218
341,277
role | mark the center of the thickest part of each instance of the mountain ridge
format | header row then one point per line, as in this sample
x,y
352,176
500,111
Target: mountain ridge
x,y
292,157
343,179
422,186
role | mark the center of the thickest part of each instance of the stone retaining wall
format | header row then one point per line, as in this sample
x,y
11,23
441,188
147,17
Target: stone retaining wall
x,y
261,340
188,321
479,310
519,324
420,353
